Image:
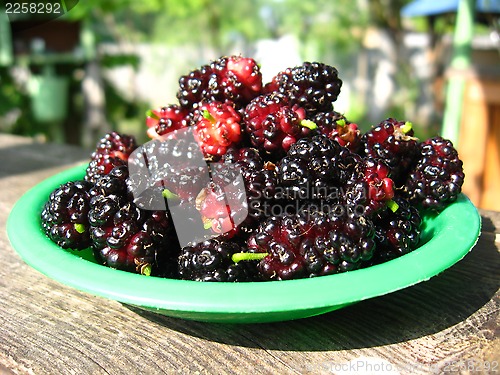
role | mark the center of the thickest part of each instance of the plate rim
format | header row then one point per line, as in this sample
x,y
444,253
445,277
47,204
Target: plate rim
x,y
232,298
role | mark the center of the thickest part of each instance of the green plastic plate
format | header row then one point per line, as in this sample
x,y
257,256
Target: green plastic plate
x,y
446,239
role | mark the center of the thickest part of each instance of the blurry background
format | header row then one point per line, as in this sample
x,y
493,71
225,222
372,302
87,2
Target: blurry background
x,y
103,64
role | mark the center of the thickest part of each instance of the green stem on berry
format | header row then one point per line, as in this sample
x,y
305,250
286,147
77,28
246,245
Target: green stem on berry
x,y
151,114
208,116
406,127
207,224
238,257
146,269
80,228
168,194
308,124
393,206
341,122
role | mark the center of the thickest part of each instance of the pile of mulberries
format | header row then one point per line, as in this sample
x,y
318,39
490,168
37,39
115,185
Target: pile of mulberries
x,y
271,183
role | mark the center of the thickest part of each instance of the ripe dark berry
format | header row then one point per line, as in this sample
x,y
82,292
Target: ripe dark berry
x,y
311,243
260,180
335,126
397,232
127,237
274,124
194,87
64,215
100,165
115,144
313,86
316,168
111,151
394,143
113,183
232,78
211,260
438,176
369,188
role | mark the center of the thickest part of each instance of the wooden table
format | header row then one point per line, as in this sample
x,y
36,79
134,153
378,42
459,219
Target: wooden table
x,y
444,324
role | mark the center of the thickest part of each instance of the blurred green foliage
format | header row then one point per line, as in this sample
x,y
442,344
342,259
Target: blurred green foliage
x,y
327,30
11,98
218,23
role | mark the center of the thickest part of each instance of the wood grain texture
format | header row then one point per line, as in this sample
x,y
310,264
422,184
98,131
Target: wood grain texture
x,y
491,178
48,328
479,142
474,129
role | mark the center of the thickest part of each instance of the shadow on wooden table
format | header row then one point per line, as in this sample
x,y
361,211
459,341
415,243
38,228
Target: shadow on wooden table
x,y
31,157
424,309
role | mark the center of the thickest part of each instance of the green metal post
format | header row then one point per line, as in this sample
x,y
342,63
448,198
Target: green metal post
x,y
6,56
462,40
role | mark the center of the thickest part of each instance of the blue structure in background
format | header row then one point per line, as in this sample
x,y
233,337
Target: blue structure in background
x,y
436,7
